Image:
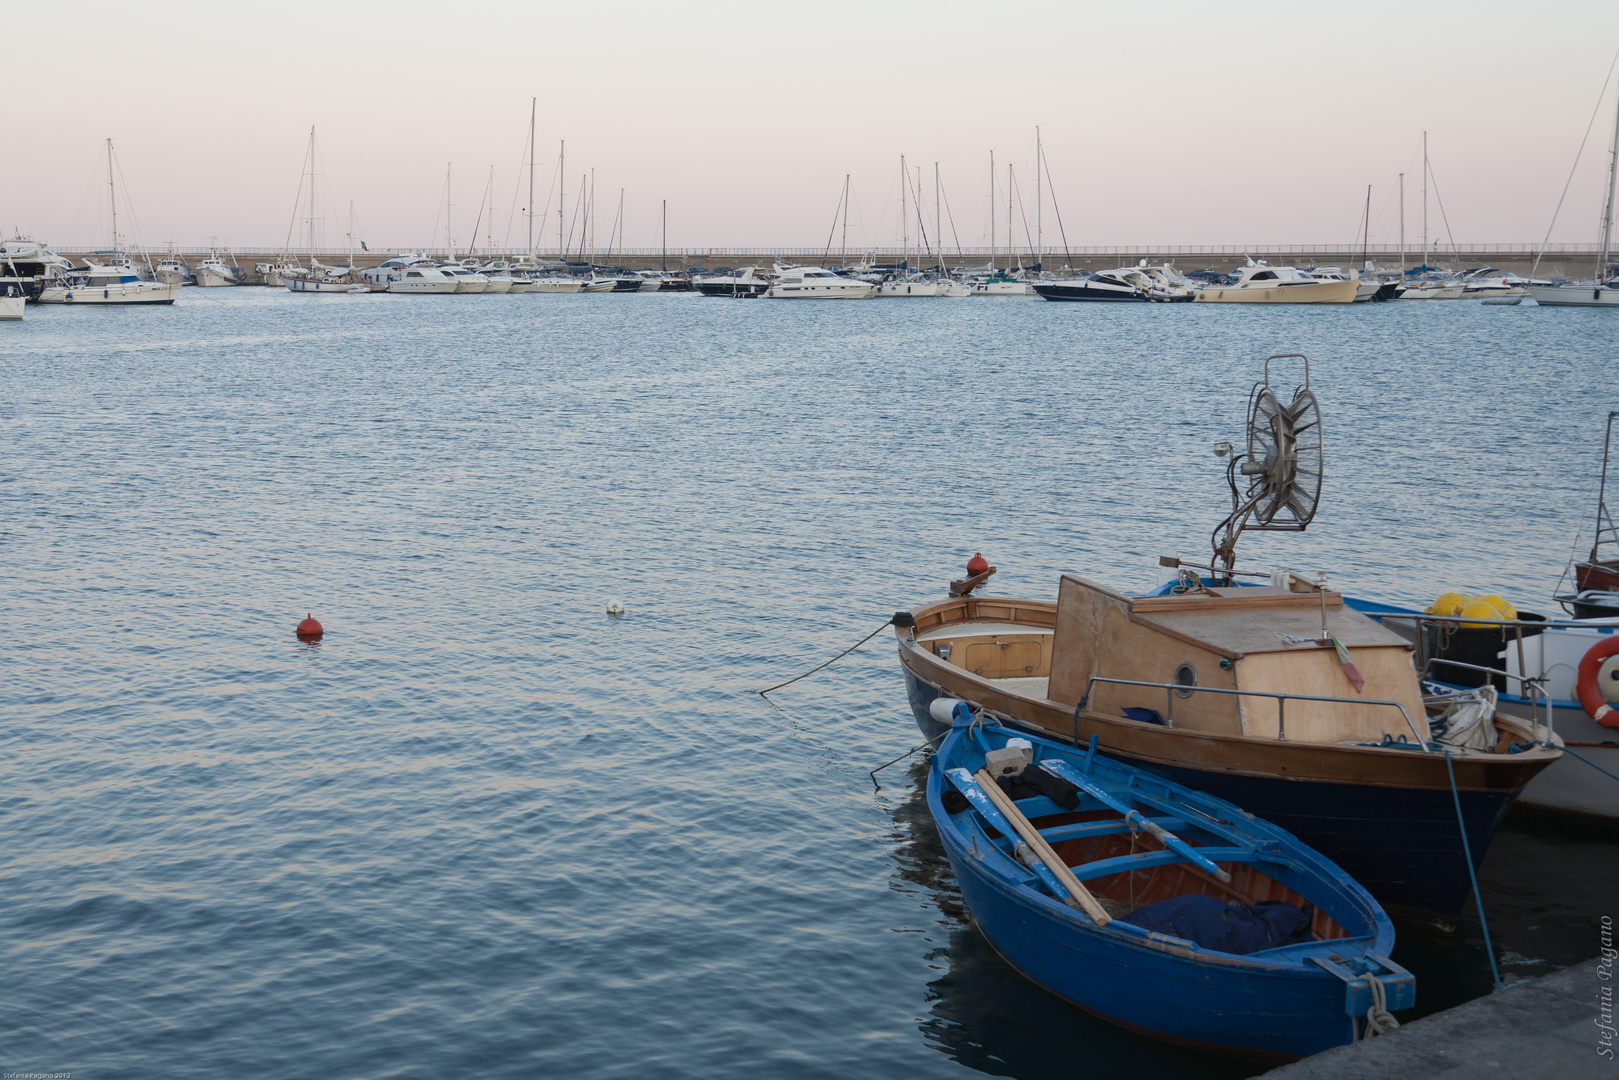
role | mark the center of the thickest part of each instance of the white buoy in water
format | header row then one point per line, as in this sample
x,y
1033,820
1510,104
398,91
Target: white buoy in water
x,y
614,607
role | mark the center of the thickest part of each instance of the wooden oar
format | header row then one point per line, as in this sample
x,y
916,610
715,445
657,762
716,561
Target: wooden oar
x,y
1064,771
1041,849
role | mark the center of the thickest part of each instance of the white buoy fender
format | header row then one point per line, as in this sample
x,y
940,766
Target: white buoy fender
x,y
943,709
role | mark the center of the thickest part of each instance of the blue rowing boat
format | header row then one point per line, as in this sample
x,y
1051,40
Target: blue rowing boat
x,y
1155,907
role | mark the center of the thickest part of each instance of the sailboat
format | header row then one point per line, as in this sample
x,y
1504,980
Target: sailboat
x,y
321,278
1601,292
113,282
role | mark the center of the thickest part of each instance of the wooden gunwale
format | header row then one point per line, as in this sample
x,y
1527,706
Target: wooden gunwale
x,y
1243,755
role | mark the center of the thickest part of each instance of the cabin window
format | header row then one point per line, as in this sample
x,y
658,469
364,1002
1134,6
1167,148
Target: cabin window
x,y
1265,275
1185,676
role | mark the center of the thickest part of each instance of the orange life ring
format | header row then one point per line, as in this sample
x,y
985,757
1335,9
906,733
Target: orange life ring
x,y
1587,688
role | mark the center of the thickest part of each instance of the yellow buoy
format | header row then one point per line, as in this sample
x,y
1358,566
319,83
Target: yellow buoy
x,y
1448,604
1479,609
1507,610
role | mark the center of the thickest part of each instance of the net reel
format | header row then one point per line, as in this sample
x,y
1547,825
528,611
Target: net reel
x,y
1279,469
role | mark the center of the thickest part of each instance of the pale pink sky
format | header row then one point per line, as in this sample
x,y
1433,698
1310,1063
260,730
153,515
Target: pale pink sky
x,y
1163,124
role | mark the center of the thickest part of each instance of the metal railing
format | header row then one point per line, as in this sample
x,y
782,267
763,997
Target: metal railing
x,y
1281,700
1534,684
884,251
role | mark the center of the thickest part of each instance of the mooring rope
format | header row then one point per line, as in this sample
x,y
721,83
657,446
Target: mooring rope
x,y
1583,758
1379,1021
1467,856
840,656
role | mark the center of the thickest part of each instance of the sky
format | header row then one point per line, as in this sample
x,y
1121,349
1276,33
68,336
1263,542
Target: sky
x,y
1162,124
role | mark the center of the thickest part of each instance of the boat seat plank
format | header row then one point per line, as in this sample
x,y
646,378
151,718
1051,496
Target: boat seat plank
x,y
1141,860
1079,830
1065,771
981,629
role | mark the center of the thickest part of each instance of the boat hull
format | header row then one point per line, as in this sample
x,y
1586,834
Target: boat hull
x,y
11,308
1575,295
139,292
428,285
1569,785
312,285
1089,291
1320,292
1386,817
556,285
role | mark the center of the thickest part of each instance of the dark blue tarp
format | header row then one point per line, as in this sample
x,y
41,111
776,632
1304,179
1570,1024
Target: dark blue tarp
x,y
1229,928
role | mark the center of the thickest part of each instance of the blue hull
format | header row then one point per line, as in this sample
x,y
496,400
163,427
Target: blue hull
x,y
1278,1015
1402,844
1273,1002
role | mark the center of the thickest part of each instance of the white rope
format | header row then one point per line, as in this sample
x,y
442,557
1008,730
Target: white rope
x,y
1379,1021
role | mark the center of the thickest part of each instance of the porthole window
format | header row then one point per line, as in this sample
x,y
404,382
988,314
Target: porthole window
x,y
1185,676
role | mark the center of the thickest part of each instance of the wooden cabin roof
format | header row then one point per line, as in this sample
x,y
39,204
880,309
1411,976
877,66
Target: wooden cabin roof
x,y
1246,620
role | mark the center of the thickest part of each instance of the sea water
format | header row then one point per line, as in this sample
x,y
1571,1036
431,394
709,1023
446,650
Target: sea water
x,y
483,828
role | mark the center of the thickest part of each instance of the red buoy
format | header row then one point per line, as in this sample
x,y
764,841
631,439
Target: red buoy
x,y
977,564
309,629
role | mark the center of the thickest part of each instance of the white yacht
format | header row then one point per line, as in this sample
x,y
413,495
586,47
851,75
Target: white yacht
x,y
815,283
95,283
212,272
1261,283
1002,284
912,285
734,283
423,278
555,283
1488,283
1434,287
466,281
27,266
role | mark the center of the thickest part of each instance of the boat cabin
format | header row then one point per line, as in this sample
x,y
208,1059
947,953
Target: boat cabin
x,y
1193,649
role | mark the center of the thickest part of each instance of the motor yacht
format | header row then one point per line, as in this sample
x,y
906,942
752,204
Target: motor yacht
x,y
738,283
1140,284
555,283
1434,287
1488,283
117,283
466,281
816,283
422,278
27,266
1261,283
1001,284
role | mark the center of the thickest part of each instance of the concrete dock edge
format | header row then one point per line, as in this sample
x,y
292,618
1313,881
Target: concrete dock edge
x,y
1549,1028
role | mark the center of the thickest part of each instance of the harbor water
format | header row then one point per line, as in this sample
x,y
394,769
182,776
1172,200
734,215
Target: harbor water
x,y
484,828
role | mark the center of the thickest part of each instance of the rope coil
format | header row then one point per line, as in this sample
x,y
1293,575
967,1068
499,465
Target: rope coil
x,y
1379,1021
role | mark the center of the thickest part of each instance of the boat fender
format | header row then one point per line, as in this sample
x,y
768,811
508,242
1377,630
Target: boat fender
x,y
1598,684
950,711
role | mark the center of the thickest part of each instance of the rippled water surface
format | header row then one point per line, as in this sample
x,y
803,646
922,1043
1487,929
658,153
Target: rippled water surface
x,y
485,829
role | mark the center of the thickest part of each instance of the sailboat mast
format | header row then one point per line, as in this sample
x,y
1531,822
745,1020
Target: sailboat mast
x,y
665,266
562,190
312,192
1366,232
1607,215
843,252
938,227
590,214
904,214
992,211
1039,202
112,199
489,230
1424,198
1402,226
533,107
1011,189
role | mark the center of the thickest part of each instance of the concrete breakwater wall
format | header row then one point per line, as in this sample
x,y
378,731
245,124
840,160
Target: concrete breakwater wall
x,y
1574,261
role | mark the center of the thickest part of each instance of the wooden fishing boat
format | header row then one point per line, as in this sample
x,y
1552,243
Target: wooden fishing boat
x,y
1280,698
1155,907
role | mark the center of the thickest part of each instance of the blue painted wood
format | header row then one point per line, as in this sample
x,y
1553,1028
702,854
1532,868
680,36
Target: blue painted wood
x,y
1401,843
1278,1003
1125,806
991,813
